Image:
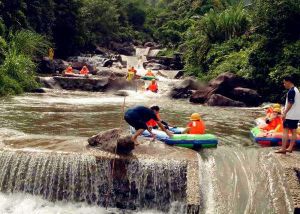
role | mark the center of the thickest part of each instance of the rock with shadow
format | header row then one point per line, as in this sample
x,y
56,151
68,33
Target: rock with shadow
x,y
235,89
113,140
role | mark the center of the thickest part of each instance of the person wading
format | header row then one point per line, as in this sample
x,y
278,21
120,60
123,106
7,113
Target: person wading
x,y
138,116
290,116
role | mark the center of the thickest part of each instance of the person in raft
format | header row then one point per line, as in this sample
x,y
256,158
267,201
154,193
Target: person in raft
x,y
149,74
138,116
270,109
131,74
152,123
69,70
274,121
196,126
291,115
84,71
153,86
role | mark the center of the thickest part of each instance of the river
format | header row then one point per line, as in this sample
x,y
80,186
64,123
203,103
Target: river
x,y
237,177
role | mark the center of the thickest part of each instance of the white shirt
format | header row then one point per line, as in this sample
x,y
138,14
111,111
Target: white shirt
x,y
294,112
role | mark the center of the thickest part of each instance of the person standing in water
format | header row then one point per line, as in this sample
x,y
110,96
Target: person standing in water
x,y
291,115
138,116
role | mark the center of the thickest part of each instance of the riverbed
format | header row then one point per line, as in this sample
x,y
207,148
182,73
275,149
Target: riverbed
x,y
237,177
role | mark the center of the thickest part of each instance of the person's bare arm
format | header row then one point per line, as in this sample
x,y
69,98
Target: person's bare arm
x,y
170,134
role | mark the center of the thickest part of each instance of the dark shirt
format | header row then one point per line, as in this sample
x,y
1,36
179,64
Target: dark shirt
x,y
291,95
141,113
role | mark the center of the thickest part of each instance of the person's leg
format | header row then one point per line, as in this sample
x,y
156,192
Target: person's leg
x,y
135,136
293,140
285,137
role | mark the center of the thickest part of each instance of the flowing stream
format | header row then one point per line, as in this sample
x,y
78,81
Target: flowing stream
x,y
237,177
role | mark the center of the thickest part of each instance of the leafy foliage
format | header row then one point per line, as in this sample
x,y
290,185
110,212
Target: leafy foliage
x,y
17,68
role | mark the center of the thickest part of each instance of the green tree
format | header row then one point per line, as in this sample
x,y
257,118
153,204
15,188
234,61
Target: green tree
x,y
66,31
99,21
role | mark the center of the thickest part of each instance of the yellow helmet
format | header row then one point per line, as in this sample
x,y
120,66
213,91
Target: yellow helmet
x,y
276,105
195,116
277,110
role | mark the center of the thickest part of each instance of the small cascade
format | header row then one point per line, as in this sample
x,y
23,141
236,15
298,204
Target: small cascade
x,y
248,180
131,184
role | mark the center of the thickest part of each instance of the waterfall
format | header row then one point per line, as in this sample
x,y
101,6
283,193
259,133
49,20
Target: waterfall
x,y
132,184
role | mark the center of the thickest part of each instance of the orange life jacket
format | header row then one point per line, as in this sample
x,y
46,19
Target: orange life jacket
x,y
69,70
196,127
275,123
84,71
132,70
153,123
153,87
149,74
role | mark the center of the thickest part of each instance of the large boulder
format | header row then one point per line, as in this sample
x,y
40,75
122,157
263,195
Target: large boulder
x,y
82,83
105,72
47,66
231,87
202,95
108,63
102,51
113,140
225,82
49,82
122,48
78,66
246,95
184,89
219,100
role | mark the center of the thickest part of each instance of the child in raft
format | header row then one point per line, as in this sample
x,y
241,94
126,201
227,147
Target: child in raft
x,y
149,74
274,122
84,71
270,109
69,70
196,126
152,123
153,86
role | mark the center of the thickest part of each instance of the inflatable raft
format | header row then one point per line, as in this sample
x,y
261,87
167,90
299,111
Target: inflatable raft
x,y
269,139
148,78
192,141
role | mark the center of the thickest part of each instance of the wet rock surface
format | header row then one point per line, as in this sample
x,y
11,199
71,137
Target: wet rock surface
x,y
114,140
100,84
231,89
219,100
184,89
166,63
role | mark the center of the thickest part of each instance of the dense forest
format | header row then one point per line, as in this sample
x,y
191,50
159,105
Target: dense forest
x,y
257,39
